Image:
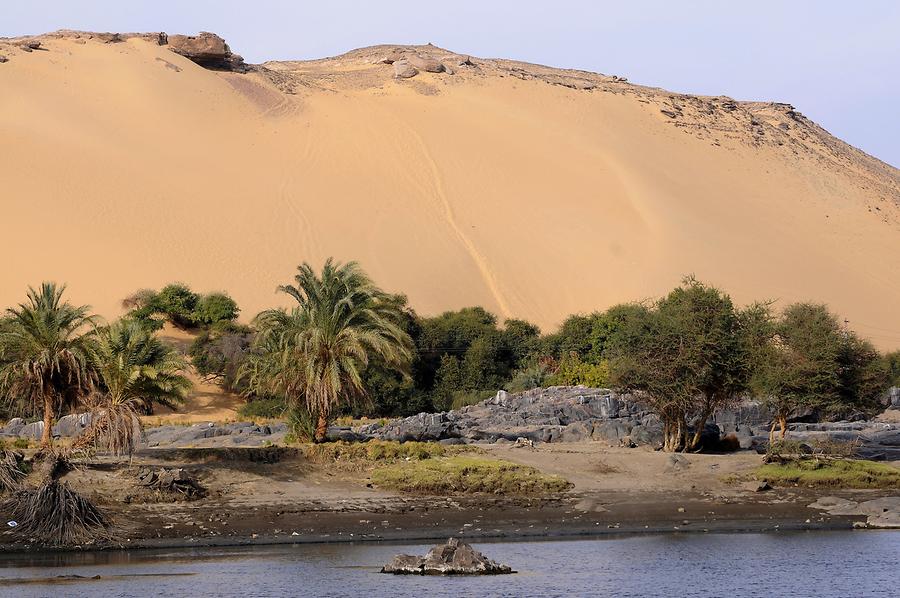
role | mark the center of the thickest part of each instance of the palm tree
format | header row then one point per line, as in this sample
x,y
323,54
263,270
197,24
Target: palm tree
x,y
316,352
44,353
134,370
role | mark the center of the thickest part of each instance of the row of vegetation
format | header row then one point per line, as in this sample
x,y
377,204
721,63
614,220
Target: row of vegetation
x,y
349,348
689,354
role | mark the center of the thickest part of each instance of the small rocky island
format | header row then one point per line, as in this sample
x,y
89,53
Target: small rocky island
x,y
452,558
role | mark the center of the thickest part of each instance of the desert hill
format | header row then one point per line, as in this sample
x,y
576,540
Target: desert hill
x,y
131,161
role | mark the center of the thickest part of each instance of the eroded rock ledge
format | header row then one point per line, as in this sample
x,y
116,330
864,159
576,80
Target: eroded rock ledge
x,y
206,49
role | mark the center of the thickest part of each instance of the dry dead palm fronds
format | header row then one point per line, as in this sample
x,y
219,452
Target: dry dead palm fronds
x,y
56,515
115,428
11,472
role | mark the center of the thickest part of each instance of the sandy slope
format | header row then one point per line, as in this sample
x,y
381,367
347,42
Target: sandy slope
x,y
531,191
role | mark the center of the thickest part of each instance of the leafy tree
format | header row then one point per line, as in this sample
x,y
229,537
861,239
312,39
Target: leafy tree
x,y
603,325
178,302
448,381
864,376
521,338
572,371
181,306
316,353
892,367
392,391
451,333
811,362
215,308
573,336
45,353
134,371
685,354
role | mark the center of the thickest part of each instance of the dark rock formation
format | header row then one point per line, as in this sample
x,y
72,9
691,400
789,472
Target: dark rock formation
x,y
452,558
234,434
27,45
577,413
174,481
208,50
555,414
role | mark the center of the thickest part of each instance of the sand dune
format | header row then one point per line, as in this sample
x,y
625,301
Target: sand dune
x,y
532,191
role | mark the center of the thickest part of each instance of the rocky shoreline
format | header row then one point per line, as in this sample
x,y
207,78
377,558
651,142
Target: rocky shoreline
x,y
544,415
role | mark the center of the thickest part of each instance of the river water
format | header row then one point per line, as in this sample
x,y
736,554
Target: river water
x,y
819,564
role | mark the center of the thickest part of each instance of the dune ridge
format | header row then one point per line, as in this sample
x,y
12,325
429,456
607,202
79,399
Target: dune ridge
x,y
533,191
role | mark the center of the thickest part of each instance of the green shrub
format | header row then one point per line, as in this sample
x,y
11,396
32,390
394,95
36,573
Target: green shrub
x,y
573,371
473,397
215,308
532,376
301,423
181,306
177,302
262,409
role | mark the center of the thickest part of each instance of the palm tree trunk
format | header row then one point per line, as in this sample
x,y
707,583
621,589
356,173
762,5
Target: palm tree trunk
x,y
47,434
321,428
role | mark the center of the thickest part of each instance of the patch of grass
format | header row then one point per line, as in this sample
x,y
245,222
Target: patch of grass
x,y
839,473
21,443
346,420
262,409
375,451
467,474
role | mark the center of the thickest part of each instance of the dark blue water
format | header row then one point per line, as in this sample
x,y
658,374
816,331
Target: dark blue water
x,y
819,564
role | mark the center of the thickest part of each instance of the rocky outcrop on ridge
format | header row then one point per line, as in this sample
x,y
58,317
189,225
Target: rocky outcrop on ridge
x,y
206,49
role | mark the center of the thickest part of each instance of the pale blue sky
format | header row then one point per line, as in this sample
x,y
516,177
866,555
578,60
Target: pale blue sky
x,y
838,62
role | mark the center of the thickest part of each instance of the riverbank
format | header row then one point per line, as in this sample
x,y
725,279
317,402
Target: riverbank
x,y
279,495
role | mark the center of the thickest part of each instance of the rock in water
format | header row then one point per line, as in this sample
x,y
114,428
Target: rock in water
x,y
452,558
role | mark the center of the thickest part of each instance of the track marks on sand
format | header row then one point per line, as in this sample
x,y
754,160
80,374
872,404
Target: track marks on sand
x,y
481,262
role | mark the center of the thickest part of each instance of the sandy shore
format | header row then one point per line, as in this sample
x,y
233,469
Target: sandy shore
x,y
277,495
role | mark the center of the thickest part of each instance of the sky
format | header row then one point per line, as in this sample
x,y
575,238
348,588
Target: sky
x,y
837,62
